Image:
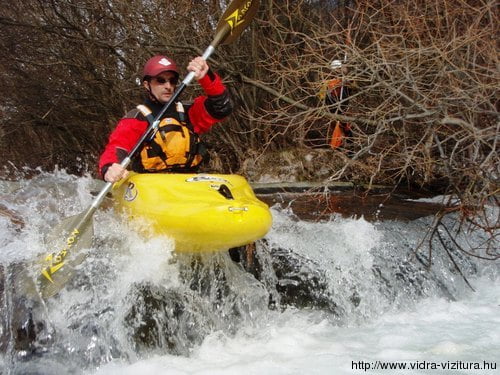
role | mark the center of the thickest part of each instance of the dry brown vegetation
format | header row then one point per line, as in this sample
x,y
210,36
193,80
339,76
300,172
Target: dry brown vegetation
x,y
424,78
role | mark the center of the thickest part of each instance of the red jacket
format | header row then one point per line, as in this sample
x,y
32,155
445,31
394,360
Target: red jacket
x,y
205,112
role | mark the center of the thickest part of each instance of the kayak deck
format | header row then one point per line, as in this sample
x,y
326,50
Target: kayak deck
x,y
200,212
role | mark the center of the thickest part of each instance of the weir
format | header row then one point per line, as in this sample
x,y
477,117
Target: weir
x,y
134,298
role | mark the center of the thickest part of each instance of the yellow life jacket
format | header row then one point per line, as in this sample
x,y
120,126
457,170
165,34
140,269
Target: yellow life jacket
x,y
174,148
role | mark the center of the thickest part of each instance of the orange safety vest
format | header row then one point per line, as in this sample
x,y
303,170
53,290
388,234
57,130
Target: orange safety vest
x,y
175,147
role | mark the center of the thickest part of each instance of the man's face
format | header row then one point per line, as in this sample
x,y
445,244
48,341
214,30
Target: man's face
x,y
162,86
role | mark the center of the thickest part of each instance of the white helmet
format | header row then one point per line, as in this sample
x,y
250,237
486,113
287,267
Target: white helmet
x,y
334,64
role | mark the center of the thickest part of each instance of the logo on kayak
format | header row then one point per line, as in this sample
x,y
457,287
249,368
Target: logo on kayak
x,y
208,178
130,193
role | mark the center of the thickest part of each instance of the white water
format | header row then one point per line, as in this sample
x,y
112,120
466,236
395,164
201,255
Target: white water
x,y
408,322
299,342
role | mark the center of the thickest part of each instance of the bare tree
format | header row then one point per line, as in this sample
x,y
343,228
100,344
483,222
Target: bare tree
x,y
424,76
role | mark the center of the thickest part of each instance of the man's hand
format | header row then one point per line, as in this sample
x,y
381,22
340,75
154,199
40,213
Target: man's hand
x,y
115,173
199,67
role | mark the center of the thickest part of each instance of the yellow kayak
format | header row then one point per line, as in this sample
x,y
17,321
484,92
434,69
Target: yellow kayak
x,y
201,212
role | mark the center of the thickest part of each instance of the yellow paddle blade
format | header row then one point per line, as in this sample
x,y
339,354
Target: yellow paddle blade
x,y
68,240
234,20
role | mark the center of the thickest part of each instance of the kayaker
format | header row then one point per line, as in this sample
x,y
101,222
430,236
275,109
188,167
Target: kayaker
x,y
176,146
335,94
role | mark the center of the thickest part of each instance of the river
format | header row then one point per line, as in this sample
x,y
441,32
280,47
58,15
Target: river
x,y
335,295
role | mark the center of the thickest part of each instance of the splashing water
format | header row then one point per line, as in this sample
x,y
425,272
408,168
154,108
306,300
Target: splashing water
x,y
321,298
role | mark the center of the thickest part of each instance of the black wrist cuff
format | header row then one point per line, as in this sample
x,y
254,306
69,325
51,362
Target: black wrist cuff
x,y
211,75
104,169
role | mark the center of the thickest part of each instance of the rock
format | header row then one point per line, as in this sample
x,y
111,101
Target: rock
x,y
24,328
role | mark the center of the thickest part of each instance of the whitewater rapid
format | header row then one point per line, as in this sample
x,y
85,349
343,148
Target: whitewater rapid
x,y
303,342
370,304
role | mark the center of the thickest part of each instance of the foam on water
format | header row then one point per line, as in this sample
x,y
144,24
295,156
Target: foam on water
x,y
299,342
347,241
385,306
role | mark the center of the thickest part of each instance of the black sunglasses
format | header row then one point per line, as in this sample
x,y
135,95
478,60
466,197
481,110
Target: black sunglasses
x,y
171,80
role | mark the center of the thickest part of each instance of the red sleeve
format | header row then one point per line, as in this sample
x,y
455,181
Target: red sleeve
x,y
198,115
212,87
121,141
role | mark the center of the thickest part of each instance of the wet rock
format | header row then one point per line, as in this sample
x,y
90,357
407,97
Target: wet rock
x,y
302,283
213,294
24,327
165,320
297,280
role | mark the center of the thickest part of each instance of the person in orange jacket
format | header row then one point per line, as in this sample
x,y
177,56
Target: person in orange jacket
x,y
336,96
176,146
